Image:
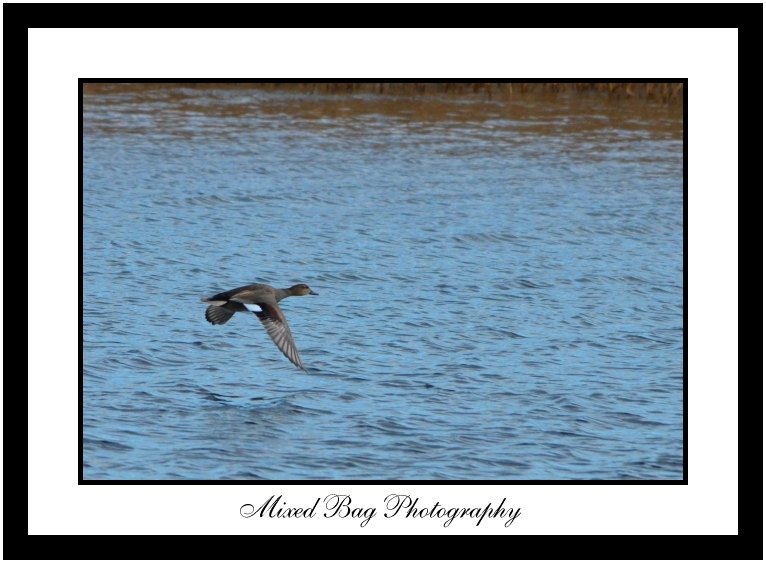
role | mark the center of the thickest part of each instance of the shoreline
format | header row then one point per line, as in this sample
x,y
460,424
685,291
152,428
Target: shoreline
x,y
665,92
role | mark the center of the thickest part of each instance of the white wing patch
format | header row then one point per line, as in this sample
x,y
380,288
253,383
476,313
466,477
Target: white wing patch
x,y
253,307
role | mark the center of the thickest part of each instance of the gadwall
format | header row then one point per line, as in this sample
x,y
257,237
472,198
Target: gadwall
x,y
262,300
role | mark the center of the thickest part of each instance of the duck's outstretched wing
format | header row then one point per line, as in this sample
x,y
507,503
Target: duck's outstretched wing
x,y
217,315
275,324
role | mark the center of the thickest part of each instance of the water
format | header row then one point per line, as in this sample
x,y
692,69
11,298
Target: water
x,y
500,287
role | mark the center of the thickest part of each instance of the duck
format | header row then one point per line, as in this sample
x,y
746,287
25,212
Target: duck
x,y
262,300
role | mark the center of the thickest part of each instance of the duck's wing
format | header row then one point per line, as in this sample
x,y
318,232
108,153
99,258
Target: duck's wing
x,y
218,315
275,324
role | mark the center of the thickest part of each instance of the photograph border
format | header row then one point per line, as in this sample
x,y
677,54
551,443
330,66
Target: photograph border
x,y
62,514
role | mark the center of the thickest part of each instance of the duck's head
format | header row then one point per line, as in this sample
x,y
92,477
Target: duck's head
x,y
302,289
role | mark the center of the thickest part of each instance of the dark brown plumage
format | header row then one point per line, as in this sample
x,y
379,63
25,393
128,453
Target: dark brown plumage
x,y
262,300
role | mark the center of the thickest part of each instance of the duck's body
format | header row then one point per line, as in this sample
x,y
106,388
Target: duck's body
x,y
262,300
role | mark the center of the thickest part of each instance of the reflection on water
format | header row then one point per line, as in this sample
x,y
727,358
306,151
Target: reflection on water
x,y
500,287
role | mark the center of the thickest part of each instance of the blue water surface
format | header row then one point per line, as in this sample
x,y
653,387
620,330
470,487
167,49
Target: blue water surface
x,y
500,287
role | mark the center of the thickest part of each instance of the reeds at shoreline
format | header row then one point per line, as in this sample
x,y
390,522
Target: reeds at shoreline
x,y
666,92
